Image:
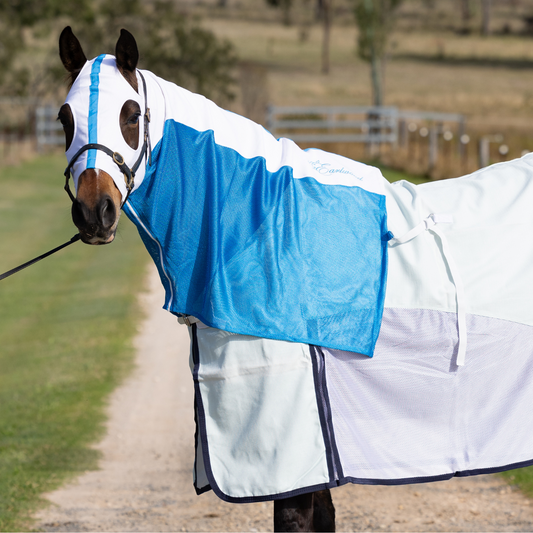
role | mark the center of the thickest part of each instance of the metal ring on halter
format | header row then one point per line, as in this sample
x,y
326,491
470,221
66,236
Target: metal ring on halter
x,y
116,155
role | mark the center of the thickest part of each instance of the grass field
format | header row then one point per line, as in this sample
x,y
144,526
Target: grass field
x,y
66,326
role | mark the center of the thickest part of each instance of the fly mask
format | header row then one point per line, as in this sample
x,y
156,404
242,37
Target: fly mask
x,y
96,99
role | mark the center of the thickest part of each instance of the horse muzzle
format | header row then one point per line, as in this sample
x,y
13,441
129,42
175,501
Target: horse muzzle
x,y
97,224
96,208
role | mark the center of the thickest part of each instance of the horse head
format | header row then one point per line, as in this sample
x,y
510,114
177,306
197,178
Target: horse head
x,y
101,119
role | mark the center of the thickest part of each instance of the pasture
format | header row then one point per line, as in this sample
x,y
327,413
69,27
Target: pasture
x,y
431,68
66,326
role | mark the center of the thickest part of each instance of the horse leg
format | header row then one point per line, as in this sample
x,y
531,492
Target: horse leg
x,y
323,511
294,514
307,512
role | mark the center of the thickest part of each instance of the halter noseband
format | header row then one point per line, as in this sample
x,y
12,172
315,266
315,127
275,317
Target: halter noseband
x,y
129,173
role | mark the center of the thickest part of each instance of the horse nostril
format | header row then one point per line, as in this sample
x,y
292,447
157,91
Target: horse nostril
x,y
79,214
107,212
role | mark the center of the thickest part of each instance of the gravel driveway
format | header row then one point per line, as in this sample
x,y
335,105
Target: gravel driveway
x,y
145,477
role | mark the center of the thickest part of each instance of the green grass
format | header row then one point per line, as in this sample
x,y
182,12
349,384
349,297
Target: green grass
x,y
521,478
66,326
396,175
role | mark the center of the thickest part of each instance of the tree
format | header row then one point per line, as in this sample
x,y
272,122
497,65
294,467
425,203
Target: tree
x,y
180,50
172,44
466,15
18,18
375,20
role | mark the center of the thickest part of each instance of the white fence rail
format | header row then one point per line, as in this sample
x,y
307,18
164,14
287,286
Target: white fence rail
x,y
48,129
373,126
364,124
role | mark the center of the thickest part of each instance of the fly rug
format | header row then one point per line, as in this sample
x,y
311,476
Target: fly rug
x,y
343,329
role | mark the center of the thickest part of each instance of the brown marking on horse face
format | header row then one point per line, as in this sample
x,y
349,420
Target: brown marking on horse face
x,y
96,209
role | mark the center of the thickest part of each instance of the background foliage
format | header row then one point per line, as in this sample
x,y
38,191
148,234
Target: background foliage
x,y
172,44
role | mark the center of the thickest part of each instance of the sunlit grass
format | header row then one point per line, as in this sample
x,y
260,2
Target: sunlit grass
x,y
66,326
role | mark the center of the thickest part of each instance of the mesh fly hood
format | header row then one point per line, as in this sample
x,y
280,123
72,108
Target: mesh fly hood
x,y
96,99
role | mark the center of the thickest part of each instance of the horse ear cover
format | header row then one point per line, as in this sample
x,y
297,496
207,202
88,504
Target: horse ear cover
x,y
71,52
126,51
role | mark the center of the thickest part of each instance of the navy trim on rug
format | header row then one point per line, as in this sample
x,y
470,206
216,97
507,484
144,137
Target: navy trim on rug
x,y
313,488
198,412
205,448
324,413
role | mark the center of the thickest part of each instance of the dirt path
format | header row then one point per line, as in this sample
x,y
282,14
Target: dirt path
x,y
145,480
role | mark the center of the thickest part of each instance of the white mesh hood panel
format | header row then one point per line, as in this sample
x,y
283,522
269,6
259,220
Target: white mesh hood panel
x,y
96,99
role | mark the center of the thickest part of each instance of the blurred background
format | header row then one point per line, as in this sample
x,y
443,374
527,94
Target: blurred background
x,y
425,89
432,88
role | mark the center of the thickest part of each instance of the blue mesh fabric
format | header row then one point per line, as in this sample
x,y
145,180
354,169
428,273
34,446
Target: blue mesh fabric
x,y
261,253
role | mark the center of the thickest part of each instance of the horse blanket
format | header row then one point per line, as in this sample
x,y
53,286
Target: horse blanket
x,y
294,262
315,417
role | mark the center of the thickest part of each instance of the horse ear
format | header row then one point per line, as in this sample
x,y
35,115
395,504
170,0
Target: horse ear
x,y
127,55
71,53
126,52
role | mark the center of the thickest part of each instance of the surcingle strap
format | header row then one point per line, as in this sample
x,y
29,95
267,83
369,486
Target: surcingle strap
x,y
430,223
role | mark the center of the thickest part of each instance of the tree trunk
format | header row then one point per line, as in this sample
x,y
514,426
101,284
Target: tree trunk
x,y
286,7
466,15
376,73
485,22
326,24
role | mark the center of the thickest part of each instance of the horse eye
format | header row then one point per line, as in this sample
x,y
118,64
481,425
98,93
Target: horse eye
x,y
134,119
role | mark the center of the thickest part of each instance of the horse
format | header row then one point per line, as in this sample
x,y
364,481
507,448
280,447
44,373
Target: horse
x,y
96,211
343,329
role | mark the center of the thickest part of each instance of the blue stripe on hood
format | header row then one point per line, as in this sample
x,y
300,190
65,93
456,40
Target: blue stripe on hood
x,y
93,109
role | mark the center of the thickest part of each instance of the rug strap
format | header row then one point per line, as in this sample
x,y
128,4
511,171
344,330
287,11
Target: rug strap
x,y
429,223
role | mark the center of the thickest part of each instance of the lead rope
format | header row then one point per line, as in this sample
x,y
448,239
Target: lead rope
x,y
428,224
33,261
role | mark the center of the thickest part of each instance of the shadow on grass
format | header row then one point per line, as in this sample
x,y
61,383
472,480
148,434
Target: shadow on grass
x,y
486,62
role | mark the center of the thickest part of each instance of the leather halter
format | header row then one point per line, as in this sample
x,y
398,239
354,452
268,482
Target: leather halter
x,y
129,173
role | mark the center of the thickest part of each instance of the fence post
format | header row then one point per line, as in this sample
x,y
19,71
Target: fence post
x,y
270,117
484,152
433,146
404,139
462,131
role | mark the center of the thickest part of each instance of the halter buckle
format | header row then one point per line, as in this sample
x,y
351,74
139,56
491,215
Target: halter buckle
x,y
129,180
116,159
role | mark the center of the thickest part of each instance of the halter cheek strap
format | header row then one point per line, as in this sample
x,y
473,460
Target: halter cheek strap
x,y
129,173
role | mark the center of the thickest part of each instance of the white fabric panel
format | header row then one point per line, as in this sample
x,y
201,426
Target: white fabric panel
x,y
410,412
251,140
489,239
263,427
